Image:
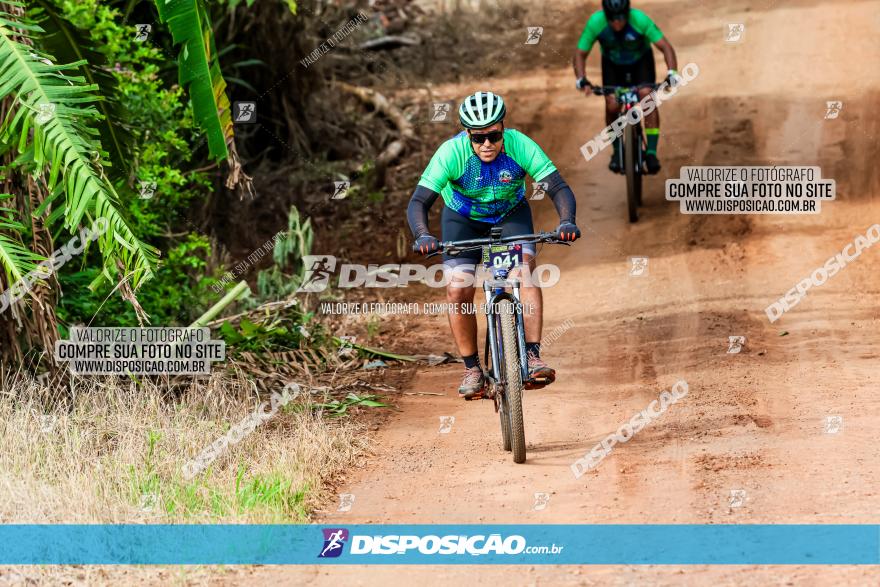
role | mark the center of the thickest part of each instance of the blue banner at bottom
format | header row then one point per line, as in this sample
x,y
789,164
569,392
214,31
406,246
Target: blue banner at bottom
x,y
611,544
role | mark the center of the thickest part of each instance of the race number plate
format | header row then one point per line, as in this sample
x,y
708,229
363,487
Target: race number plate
x,y
498,256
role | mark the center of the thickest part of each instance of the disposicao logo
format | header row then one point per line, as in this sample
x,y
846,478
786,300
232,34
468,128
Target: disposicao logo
x,y
334,541
444,545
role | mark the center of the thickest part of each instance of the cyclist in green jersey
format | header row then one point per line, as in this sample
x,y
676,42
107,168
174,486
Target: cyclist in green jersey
x,y
625,35
480,174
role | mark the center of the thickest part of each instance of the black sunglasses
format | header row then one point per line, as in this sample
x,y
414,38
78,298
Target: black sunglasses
x,y
494,137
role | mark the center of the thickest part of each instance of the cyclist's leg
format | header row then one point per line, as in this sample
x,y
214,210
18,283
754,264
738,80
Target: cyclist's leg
x,y
462,319
533,302
460,295
611,77
644,73
463,323
460,280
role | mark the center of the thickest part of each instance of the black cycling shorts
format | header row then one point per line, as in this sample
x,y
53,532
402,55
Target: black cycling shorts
x,y
455,227
640,72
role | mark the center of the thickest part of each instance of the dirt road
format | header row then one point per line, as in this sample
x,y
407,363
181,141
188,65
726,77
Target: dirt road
x,y
756,422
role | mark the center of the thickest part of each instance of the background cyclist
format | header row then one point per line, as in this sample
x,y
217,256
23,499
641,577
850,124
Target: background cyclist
x,y
481,174
625,35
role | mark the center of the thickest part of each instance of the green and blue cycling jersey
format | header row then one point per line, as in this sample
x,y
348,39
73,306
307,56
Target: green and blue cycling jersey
x,y
625,47
485,191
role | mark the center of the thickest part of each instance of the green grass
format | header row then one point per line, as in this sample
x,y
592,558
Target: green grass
x,y
270,498
335,408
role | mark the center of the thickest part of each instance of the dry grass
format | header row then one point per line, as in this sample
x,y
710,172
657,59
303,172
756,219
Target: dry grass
x,y
114,454
114,451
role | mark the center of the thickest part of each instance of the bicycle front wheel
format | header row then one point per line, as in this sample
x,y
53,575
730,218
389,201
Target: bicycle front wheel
x,y
639,167
497,395
504,416
511,400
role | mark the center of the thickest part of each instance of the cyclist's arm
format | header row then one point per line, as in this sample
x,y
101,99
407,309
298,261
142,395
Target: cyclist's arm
x,y
579,62
444,165
417,211
644,25
668,53
562,197
529,155
588,37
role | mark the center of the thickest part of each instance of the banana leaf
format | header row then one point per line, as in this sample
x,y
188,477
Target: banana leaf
x,y
199,71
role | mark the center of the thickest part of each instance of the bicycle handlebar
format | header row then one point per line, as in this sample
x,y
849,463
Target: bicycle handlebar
x,y
606,90
453,248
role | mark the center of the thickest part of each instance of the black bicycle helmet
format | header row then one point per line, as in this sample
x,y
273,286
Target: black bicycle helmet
x,y
615,9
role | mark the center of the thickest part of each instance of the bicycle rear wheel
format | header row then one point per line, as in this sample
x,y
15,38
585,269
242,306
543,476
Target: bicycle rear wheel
x,y
633,177
511,399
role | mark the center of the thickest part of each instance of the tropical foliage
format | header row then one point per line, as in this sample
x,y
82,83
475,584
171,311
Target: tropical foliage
x,y
92,126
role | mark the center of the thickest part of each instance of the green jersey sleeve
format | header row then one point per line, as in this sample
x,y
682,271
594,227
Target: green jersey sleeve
x,y
527,154
595,24
644,25
446,164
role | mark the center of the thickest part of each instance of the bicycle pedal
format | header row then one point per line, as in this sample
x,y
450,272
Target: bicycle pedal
x,y
483,394
539,381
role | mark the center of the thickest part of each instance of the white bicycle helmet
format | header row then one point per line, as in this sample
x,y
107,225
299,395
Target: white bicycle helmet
x,y
481,110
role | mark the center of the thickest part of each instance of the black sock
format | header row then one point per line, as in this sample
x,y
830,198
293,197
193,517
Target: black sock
x,y
472,361
533,348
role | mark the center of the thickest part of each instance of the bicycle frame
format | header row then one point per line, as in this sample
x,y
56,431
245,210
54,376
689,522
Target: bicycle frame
x,y
505,390
495,291
628,98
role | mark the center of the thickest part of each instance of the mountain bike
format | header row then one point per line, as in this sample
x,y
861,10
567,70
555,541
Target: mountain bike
x,y
631,155
505,356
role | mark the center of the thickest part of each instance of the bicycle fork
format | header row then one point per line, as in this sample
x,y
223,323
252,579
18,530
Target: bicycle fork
x,y
520,333
492,336
494,292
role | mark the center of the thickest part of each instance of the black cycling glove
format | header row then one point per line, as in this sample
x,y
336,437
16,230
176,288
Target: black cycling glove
x,y
568,232
426,244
